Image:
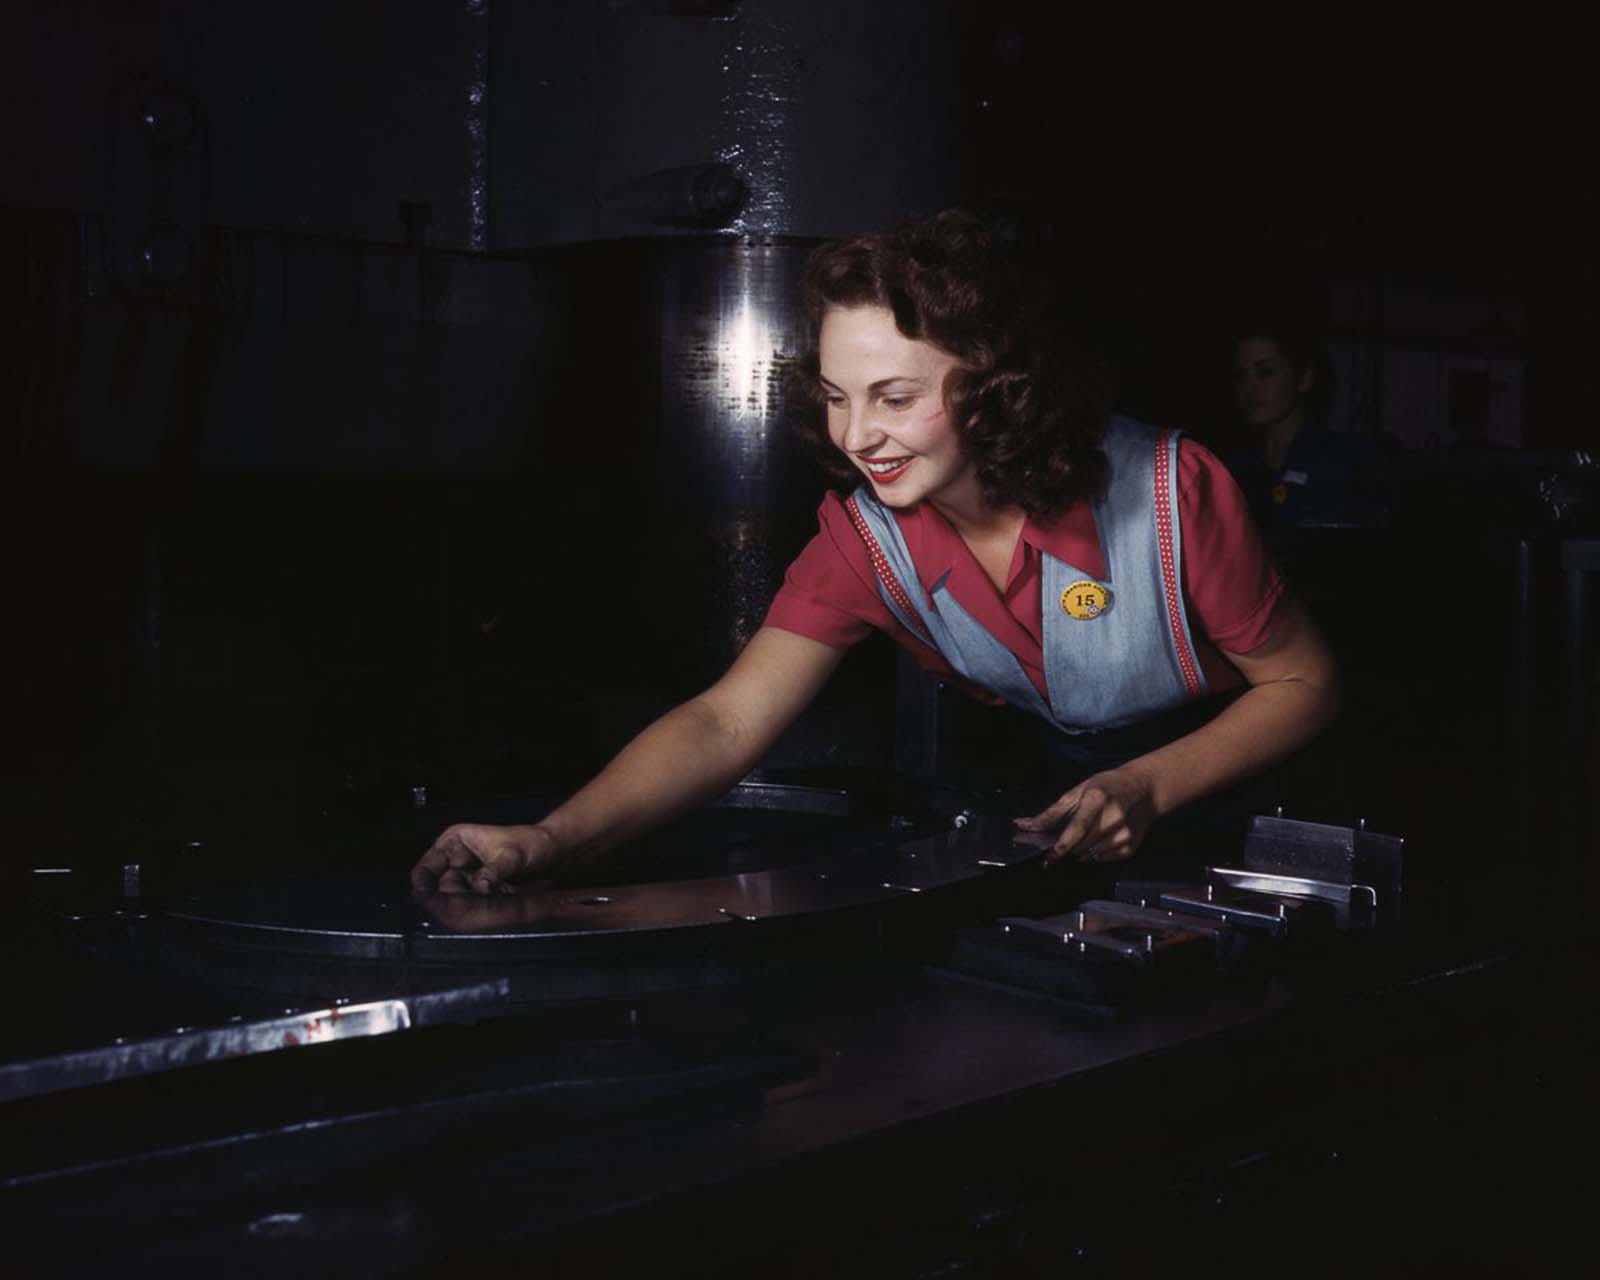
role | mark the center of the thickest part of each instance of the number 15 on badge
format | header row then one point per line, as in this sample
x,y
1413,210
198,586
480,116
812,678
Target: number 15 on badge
x,y
1085,600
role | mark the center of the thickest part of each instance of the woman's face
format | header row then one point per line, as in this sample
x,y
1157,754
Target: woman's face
x,y
1265,384
886,408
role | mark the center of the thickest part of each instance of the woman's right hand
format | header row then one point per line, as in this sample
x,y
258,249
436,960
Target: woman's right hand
x,y
471,857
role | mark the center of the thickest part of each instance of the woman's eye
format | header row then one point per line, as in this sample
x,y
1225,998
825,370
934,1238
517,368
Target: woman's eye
x,y
898,402
834,402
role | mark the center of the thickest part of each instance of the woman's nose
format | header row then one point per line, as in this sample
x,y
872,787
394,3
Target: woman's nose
x,y
859,433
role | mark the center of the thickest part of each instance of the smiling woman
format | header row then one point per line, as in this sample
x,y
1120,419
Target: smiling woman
x,y
995,521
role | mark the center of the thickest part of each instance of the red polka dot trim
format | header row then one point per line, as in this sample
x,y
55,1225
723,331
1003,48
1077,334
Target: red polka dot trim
x,y
880,566
1187,663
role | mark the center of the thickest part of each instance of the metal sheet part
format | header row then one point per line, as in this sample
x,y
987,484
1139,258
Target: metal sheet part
x,y
1320,851
1277,916
1354,905
237,1038
365,919
1133,933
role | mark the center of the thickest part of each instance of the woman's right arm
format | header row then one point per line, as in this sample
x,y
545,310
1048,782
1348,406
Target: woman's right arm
x,y
689,756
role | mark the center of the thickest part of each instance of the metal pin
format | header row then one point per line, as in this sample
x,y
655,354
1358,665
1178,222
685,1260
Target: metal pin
x,y
1149,943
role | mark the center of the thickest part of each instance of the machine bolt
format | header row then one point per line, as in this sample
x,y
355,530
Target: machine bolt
x,y
962,819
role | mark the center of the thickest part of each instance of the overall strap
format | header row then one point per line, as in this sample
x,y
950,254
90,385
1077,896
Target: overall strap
x,y
897,599
1135,658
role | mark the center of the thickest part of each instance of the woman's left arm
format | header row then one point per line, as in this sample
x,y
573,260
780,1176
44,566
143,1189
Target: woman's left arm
x,y
1293,695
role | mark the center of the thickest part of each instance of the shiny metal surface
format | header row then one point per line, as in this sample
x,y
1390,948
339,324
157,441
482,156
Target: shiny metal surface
x,y
295,1028
781,797
837,117
728,470
1353,904
475,120
1132,934
1352,867
368,918
1280,917
1154,918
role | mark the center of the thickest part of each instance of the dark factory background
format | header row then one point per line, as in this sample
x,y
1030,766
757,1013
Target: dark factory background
x,y
392,393
393,421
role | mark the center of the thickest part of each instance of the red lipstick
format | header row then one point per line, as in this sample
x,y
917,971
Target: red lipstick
x,y
890,476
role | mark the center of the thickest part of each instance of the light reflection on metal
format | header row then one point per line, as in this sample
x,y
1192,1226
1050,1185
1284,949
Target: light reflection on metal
x,y
745,359
760,70
187,1046
477,128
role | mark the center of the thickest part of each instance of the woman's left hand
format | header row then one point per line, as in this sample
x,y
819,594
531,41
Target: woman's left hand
x,y
1106,817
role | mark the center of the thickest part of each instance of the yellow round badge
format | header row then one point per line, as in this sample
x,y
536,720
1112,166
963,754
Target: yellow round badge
x,y
1085,600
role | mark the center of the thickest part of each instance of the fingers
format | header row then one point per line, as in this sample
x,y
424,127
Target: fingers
x,y
1074,840
469,858
432,867
453,864
1098,827
1055,815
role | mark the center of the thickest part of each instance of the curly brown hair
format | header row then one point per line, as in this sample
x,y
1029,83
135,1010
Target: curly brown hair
x,y
1030,409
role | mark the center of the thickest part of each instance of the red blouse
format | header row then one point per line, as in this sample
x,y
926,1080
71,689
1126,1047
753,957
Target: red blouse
x,y
1231,587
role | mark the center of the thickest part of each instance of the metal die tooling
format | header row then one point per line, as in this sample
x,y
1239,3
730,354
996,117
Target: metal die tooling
x,y
1089,957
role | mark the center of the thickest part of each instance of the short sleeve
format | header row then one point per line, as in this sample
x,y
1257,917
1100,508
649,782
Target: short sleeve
x,y
827,592
1232,586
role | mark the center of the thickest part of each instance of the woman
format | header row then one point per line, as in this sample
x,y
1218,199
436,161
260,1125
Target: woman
x,y
1096,572
1296,471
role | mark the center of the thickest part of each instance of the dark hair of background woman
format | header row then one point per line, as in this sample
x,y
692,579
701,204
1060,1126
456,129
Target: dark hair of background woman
x,y
1302,346
1030,408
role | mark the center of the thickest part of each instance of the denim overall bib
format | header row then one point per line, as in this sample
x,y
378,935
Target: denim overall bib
x,y
1131,665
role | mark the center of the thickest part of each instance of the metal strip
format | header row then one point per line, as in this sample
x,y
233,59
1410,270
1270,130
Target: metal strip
x,y
187,1047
